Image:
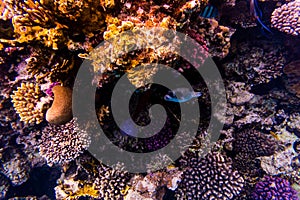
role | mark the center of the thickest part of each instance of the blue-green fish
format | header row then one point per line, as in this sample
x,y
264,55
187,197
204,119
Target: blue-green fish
x,y
181,95
209,11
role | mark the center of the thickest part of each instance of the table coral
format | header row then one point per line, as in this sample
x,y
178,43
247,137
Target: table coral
x,y
63,143
211,177
27,103
286,18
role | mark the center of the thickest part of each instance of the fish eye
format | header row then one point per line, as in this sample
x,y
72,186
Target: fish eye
x,y
167,97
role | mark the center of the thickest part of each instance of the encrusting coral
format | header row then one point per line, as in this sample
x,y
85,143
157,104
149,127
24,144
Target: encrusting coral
x,y
63,143
27,103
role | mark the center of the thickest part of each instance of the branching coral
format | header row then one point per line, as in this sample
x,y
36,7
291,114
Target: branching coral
x,y
63,143
40,20
211,177
27,103
286,18
44,64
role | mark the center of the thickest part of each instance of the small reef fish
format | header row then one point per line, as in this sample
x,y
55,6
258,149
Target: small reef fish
x,y
128,128
274,135
257,13
209,11
181,95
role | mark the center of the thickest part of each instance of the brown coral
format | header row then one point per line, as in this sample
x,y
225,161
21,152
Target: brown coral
x,y
27,103
60,111
292,81
286,18
40,20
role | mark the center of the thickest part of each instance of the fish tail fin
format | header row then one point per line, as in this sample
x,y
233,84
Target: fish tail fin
x,y
264,26
197,94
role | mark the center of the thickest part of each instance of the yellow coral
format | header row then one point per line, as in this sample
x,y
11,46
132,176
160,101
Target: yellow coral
x,y
26,101
102,113
73,189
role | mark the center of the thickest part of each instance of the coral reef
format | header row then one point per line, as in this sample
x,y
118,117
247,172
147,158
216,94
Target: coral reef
x,y
60,111
215,37
86,177
63,143
153,185
4,186
40,21
254,143
292,81
43,44
248,145
27,103
274,188
256,62
283,159
14,165
211,177
286,18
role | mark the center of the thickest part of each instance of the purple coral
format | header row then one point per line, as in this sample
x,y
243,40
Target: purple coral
x,y
211,177
274,188
49,91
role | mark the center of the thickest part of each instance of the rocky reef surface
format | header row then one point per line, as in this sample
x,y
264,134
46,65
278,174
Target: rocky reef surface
x,y
44,150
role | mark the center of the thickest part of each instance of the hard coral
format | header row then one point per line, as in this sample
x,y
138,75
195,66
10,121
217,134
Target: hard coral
x,y
41,21
63,143
292,80
286,18
153,185
254,143
211,177
60,111
274,188
256,62
14,165
86,177
27,103
215,36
